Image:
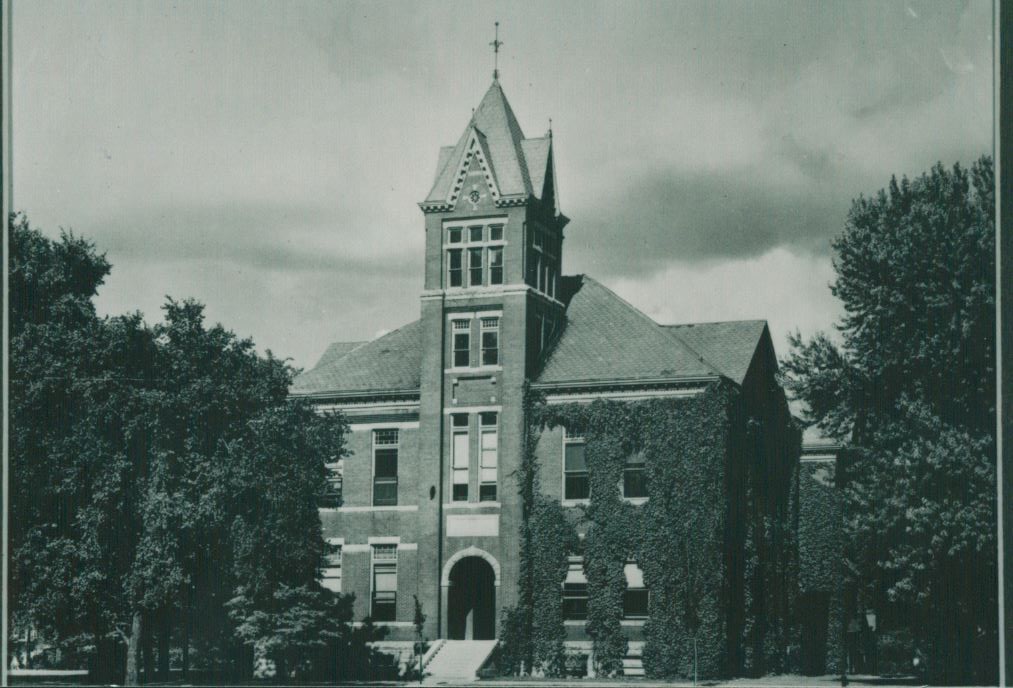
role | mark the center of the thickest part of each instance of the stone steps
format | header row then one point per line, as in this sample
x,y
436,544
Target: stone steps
x,y
457,661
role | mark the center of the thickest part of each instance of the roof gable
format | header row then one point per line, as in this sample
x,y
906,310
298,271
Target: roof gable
x,y
729,346
517,166
390,362
607,339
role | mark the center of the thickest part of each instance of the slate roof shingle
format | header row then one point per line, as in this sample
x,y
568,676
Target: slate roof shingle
x,y
393,361
729,346
606,339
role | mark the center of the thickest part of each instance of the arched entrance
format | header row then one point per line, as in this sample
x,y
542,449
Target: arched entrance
x,y
471,600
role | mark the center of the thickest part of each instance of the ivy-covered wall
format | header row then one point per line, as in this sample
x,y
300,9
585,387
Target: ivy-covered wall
x,y
819,553
714,539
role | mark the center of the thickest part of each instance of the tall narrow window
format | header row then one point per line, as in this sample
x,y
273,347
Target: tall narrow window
x,y
332,496
330,571
489,457
634,477
461,457
496,265
635,599
384,607
475,267
385,446
455,271
490,341
576,484
575,591
462,343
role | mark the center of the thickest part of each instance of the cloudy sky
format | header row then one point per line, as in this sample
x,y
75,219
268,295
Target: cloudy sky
x,y
267,157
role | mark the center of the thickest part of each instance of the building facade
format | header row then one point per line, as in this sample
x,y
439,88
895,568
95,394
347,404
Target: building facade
x,y
426,502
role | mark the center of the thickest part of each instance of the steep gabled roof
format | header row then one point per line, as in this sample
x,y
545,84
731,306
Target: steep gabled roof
x,y
606,339
336,351
730,346
504,146
390,362
536,152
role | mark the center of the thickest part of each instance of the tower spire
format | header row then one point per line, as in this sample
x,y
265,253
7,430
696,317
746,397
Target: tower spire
x,y
496,43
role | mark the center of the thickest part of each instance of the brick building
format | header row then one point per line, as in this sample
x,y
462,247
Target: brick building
x,y
426,503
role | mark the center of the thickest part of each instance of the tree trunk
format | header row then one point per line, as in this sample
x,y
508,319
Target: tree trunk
x,y
163,648
147,639
133,650
186,638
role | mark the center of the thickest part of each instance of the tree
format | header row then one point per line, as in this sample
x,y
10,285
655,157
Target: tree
x,y
157,473
911,393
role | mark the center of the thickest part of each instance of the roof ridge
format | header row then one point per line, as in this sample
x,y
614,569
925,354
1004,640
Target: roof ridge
x,y
715,322
653,322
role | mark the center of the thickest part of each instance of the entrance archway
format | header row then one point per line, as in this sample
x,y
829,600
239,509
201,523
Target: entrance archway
x,y
471,600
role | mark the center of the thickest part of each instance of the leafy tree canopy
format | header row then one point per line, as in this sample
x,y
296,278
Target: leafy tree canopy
x,y
158,472
911,393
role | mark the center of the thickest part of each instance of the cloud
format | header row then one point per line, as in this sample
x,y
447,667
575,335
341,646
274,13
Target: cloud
x,y
267,157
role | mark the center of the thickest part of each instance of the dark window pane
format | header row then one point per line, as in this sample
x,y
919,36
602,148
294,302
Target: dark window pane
x,y
635,604
495,266
576,486
475,234
460,420
384,606
456,273
495,232
460,493
487,492
576,459
462,345
384,492
634,482
386,463
490,348
575,601
454,235
475,267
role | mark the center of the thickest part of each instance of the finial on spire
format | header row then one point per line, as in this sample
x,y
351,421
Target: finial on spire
x,y
496,43
550,127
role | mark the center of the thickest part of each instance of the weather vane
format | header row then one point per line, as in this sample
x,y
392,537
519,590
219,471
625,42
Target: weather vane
x,y
496,43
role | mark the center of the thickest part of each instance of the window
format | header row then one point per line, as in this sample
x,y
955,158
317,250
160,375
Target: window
x,y
496,265
384,607
330,570
489,457
635,598
331,498
385,446
461,457
634,477
575,481
475,267
490,341
575,591
462,343
455,276
476,250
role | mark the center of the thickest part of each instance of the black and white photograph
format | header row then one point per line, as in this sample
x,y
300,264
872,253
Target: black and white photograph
x,y
609,343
